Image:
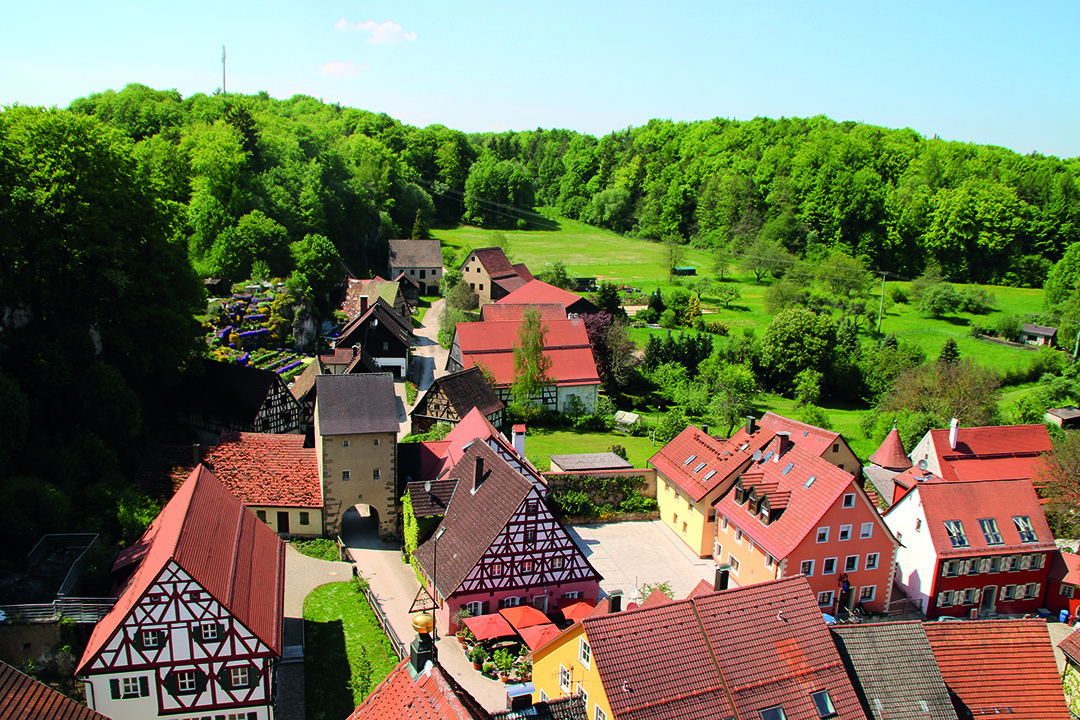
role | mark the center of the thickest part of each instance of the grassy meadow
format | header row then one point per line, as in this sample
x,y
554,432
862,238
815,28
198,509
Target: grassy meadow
x,y
589,251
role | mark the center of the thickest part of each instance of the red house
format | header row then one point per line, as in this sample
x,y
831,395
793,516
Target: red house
x,y
972,548
1063,584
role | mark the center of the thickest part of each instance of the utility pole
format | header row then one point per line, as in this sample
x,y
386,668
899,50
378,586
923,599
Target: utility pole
x,y
223,90
881,304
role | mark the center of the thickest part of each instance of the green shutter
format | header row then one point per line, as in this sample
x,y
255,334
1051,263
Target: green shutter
x,y
144,686
114,688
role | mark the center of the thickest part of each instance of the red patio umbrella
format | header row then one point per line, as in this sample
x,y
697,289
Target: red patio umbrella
x,y
523,616
536,635
577,611
486,627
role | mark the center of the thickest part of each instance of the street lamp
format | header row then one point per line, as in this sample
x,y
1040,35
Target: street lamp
x,y
435,573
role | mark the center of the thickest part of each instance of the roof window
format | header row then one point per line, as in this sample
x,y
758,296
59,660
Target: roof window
x,y
788,468
698,468
955,528
1023,526
823,704
690,459
809,481
766,456
990,531
708,475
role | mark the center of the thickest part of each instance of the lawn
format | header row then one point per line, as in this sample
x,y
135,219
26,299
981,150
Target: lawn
x,y
542,442
346,653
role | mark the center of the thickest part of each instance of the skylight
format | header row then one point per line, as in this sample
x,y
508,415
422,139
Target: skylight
x,y
788,468
990,531
690,459
766,456
708,475
810,481
805,433
1023,526
698,468
955,528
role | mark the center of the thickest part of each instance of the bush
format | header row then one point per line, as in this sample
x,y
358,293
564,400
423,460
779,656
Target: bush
x,y
573,503
639,504
1009,327
668,319
620,451
898,295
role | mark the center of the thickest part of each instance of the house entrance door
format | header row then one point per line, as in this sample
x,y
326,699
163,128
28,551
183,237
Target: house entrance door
x,y
540,603
989,596
283,522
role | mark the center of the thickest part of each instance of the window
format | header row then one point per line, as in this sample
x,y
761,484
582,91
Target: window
x,y
836,447
305,518
564,679
186,681
1023,526
950,568
208,632
261,514
674,519
344,443
845,532
738,536
496,569
481,286
1013,562
829,566
866,531
584,652
807,567
558,563
376,474
823,534
871,561
239,677
723,523
1031,590
990,531
955,528
527,567
600,714
689,504
773,713
150,639
684,528
734,562
386,345
512,601
1007,592
530,508
475,607
573,595
530,535
131,687
945,599
995,564
823,703
690,459
867,593
824,598
344,476
769,560
969,596
667,488
809,481
698,468
543,696
849,500
472,286
851,563
376,442
1067,591
423,274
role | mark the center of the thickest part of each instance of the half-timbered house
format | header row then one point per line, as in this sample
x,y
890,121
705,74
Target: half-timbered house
x,y
197,627
383,333
499,545
451,397
238,397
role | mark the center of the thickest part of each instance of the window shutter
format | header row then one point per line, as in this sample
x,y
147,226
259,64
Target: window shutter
x,y
137,639
963,569
224,678
1042,561
200,681
941,598
485,607
114,689
170,683
196,632
978,595
144,686
220,632
1038,590
161,638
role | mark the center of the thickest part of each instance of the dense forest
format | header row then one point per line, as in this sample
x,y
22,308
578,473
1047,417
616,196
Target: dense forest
x,y
111,211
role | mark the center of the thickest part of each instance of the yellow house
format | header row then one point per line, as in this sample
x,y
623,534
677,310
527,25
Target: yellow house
x,y
564,667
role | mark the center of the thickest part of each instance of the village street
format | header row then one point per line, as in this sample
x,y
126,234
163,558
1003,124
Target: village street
x,y
428,362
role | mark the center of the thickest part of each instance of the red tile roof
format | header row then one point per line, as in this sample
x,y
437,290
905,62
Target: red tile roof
x,y
509,312
24,698
991,453
704,587
259,468
538,291
1065,567
810,437
233,556
431,695
968,502
740,650
494,261
566,344
656,598
891,453
1071,646
999,667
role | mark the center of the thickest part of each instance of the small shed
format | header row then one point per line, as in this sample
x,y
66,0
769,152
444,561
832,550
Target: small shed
x,y
1037,334
1065,417
588,462
685,270
626,421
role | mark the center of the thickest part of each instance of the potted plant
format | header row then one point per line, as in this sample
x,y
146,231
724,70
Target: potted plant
x,y
505,662
489,668
478,655
523,669
465,636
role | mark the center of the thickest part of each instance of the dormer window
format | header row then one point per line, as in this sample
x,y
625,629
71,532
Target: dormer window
x,y
1023,526
956,533
990,531
739,492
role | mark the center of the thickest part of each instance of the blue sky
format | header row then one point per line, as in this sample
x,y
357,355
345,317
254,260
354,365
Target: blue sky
x,y
986,72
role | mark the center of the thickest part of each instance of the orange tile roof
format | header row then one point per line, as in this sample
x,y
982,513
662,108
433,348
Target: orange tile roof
x,y
999,667
538,291
511,312
24,698
233,556
810,437
991,452
1065,567
891,453
431,695
566,344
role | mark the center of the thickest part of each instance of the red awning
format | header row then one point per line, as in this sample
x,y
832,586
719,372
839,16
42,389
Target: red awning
x,y
524,616
537,635
486,627
578,611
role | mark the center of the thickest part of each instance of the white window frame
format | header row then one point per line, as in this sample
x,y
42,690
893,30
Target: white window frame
x,y
825,566
209,632
863,597
1067,590
871,564
849,566
828,595
129,687
823,534
564,679
240,676
849,500
186,681
723,523
734,562
599,714
802,568
866,531
738,535
845,533
150,639
584,653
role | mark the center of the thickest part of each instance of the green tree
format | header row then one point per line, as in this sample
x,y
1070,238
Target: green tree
x,y
764,257
555,273
255,237
318,265
693,310
608,300
950,352
673,423
796,340
531,365
727,294
497,191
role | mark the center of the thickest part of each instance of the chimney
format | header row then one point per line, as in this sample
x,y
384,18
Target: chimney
x,y
519,440
705,430
615,601
785,441
196,456
751,426
954,430
363,304
478,478
720,582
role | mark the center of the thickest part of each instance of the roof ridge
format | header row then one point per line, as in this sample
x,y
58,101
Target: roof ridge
x,y
712,656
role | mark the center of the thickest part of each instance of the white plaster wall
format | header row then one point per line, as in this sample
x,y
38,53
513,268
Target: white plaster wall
x,y
916,559
925,451
588,394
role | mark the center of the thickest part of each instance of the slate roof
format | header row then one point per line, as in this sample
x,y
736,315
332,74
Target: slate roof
x,y
740,650
894,671
538,291
513,312
229,391
494,261
431,504
433,694
24,698
355,404
259,468
891,453
466,390
354,331
991,453
968,502
415,254
473,520
1065,567
233,556
591,461
566,344
999,667
304,383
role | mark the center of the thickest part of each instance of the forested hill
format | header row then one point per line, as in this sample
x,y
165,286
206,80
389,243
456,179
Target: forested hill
x,y
301,166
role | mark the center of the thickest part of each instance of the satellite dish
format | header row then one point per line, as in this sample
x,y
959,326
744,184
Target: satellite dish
x,y
757,455
427,487
923,464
